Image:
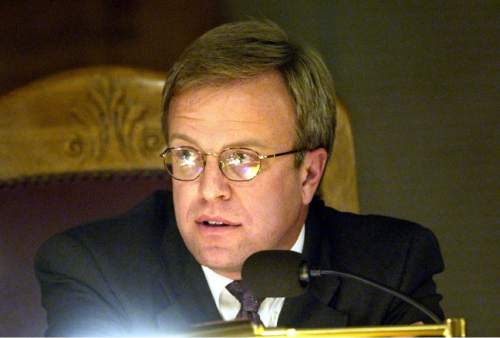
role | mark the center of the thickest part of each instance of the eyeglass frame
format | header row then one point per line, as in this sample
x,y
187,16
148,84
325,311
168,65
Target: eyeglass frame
x,y
221,163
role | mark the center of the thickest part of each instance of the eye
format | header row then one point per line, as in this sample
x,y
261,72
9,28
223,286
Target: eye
x,y
186,157
185,154
238,158
240,164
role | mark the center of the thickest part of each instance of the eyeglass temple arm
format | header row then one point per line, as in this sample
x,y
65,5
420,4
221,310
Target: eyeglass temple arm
x,y
280,154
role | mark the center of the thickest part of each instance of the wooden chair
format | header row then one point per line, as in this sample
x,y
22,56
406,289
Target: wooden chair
x,y
85,144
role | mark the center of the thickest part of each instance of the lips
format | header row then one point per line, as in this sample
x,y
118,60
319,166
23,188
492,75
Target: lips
x,y
215,222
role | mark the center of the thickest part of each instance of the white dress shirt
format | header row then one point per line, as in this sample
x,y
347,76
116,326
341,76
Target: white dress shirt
x,y
229,306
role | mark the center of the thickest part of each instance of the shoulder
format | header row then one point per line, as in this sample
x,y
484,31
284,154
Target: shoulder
x,y
112,243
396,253
373,228
374,244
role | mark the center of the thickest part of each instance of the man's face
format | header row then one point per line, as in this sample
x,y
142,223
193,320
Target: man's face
x,y
264,213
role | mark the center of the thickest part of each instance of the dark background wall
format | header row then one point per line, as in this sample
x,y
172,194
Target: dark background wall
x,y
420,79
38,37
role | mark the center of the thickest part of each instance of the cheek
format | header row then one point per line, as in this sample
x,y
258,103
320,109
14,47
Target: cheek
x,y
279,186
274,203
183,194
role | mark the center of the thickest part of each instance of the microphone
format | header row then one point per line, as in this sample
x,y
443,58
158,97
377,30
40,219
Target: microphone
x,y
283,273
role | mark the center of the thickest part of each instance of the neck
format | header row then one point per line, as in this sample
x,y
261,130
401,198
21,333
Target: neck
x,y
229,274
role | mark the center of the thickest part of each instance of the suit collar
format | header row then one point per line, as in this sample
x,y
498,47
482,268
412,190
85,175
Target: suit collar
x,y
312,309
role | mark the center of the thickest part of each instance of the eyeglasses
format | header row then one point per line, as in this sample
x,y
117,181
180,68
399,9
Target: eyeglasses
x,y
236,164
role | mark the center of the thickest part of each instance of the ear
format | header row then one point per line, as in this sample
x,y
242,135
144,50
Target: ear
x,y
311,172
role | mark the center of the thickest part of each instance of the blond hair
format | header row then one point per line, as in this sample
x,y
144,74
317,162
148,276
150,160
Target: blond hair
x,y
242,50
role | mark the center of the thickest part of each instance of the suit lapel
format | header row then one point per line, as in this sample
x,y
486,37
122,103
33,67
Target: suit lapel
x,y
312,309
307,311
189,300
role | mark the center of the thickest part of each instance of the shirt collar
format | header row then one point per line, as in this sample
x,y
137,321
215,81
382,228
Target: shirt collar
x,y
217,282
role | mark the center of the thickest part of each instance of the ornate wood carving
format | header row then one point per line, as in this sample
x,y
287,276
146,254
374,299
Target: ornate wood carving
x,y
103,119
112,121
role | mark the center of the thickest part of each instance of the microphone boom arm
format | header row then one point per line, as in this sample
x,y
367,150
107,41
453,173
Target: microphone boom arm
x,y
395,293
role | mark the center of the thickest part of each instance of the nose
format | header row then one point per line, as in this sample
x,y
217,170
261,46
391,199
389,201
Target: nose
x,y
213,184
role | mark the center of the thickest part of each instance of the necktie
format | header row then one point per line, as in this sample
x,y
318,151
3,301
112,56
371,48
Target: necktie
x,y
249,303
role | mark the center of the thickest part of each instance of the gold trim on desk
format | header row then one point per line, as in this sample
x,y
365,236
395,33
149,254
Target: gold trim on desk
x,y
452,327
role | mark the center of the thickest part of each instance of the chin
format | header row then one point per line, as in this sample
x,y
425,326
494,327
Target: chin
x,y
218,261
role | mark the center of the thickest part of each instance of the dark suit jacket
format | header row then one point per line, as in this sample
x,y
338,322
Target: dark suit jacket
x,y
133,275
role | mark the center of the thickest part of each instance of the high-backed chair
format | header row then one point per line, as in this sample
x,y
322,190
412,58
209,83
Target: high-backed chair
x,y
85,144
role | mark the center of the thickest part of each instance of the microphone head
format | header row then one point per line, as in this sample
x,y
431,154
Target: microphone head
x,y
275,273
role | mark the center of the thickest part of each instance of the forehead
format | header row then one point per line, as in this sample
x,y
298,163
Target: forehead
x,y
259,108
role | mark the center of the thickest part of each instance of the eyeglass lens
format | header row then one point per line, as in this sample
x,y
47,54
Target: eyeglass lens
x,y
236,164
184,164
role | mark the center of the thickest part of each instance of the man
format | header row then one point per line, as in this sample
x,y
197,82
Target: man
x,y
249,120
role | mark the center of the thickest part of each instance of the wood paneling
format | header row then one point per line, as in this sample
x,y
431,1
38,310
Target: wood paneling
x,y
41,37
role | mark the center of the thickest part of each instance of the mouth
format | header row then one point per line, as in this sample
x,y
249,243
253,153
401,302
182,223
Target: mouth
x,y
215,222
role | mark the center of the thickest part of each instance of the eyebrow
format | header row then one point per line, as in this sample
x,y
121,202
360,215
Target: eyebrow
x,y
245,143
184,137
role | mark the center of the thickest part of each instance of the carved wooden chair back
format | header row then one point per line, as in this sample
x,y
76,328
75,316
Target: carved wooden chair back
x,y
85,144
88,121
